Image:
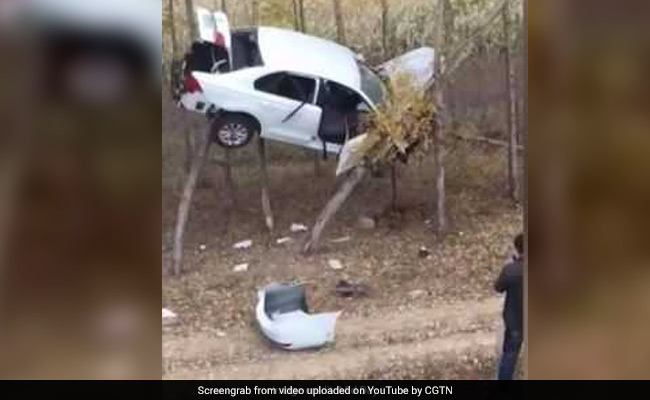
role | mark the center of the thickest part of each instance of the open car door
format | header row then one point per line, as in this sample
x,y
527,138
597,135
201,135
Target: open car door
x,y
214,28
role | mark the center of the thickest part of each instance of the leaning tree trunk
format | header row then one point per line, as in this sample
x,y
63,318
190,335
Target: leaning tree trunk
x,y
333,206
513,156
186,203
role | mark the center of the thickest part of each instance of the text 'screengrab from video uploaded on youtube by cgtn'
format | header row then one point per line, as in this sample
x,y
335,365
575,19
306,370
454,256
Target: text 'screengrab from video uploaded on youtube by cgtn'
x,y
342,389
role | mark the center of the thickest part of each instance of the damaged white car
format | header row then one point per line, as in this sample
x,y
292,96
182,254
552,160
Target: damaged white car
x,y
287,86
284,318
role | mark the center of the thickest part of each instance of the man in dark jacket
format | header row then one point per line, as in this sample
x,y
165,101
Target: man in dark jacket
x,y
511,282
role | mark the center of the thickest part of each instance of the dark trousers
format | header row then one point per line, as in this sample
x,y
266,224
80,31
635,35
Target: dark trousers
x,y
511,346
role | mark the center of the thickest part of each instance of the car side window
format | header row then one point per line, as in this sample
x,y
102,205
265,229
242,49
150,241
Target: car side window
x,y
286,85
338,97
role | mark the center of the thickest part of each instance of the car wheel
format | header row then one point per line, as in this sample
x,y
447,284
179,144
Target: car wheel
x,y
232,131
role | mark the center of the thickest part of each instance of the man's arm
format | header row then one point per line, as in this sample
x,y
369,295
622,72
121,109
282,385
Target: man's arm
x,y
507,278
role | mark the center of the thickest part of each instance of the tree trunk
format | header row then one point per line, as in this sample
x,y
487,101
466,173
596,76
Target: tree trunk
x,y
224,6
299,25
255,12
301,13
172,29
266,197
513,156
230,182
298,16
439,129
340,22
186,203
524,134
189,150
439,166
191,20
385,29
394,189
333,206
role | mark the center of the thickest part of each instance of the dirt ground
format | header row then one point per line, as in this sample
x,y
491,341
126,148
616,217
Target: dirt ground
x,y
435,317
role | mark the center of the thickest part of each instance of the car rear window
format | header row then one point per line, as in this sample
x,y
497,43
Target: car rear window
x,y
245,49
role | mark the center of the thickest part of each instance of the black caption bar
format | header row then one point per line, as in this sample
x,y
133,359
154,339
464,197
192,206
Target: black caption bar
x,y
357,389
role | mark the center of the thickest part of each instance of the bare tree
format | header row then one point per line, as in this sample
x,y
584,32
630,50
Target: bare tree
x,y
299,16
352,180
385,28
191,19
255,12
266,196
340,22
172,28
439,128
300,26
524,134
198,163
511,101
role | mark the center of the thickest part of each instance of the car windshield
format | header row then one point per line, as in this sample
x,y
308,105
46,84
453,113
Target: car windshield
x,y
371,84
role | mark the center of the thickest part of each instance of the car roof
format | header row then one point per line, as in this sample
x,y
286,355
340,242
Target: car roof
x,y
283,49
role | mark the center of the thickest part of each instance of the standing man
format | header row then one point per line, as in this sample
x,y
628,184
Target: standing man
x,y
510,281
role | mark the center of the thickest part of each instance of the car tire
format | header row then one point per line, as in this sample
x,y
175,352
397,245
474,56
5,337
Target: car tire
x,y
234,130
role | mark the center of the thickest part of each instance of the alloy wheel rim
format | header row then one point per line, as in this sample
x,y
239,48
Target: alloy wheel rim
x,y
233,134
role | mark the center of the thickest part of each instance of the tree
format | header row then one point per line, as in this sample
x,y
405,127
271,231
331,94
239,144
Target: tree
x,y
255,12
299,16
172,28
340,22
191,19
385,28
439,128
511,101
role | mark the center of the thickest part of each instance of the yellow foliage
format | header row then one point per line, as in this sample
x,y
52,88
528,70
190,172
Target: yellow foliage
x,y
404,124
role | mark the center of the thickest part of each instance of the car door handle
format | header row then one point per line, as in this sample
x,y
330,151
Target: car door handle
x,y
294,112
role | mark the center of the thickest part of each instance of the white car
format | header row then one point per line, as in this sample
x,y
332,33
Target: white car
x,y
288,86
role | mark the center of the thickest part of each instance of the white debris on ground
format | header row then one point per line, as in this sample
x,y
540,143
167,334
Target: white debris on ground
x,y
169,317
340,240
366,223
284,240
240,268
297,228
203,247
243,245
335,265
221,334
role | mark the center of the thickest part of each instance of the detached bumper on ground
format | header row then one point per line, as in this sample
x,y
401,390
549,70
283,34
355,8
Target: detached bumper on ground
x,y
283,317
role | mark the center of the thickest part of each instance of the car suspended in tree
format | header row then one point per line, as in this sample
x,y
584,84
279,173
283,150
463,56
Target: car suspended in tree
x,y
284,85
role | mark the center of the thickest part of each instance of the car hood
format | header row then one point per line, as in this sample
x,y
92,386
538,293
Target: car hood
x,y
419,63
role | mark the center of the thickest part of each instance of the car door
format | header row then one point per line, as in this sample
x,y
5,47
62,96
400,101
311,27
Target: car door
x,y
287,110
214,28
